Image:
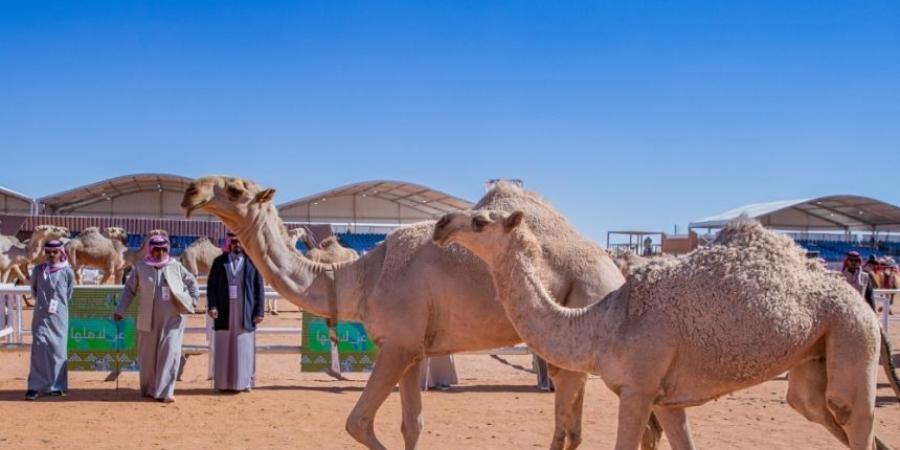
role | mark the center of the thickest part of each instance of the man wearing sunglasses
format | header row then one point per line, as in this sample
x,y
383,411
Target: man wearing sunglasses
x,y
52,284
167,292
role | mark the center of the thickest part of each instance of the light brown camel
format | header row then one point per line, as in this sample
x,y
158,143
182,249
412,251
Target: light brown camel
x,y
888,277
330,251
681,332
198,257
299,234
10,272
15,256
103,250
415,298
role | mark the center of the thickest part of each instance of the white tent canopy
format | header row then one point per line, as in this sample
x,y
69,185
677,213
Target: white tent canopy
x,y
373,202
834,212
155,195
12,202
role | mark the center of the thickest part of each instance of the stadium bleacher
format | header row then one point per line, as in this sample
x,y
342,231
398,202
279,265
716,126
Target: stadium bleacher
x,y
361,242
834,250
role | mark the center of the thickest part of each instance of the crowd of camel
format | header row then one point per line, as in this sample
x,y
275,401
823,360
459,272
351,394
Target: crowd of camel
x,y
107,250
663,334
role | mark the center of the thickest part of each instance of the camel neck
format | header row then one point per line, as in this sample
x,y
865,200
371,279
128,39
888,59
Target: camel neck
x,y
33,250
566,337
297,279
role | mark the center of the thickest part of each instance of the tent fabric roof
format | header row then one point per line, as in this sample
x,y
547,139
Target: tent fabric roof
x,y
833,212
11,193
73,199
12,202
374,202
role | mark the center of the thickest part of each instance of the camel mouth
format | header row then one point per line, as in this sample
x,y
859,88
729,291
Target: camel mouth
x,y
443,241
190,208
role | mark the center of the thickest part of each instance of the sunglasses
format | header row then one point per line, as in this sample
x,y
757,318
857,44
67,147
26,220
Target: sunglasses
x,y
51,252
159,249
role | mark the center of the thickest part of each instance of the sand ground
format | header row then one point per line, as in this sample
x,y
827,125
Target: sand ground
x,y
495,407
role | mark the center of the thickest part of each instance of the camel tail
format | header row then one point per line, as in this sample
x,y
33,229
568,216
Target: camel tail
x,y
888,363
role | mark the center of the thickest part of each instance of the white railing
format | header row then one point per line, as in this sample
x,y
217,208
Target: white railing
x,y
885,296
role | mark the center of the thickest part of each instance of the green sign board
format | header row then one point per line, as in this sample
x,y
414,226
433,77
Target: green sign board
x,y
95,339
356,351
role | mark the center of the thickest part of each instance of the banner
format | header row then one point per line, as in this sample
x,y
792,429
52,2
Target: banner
x,y
94,337
356,351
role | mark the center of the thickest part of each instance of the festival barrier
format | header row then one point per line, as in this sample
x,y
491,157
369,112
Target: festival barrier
x,y
98,343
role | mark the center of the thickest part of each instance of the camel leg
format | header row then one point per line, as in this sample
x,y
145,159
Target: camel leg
x,y
107,274
850,388
391,363
806,394
411,406
675,423
634,412
20,275
568,405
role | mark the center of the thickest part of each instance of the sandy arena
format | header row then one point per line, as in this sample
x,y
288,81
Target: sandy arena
x,y
495,407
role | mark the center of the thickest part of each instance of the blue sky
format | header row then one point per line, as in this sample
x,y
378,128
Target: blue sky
x,y
625,114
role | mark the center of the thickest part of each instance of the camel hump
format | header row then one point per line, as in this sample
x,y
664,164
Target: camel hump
x,y
747,232
91,230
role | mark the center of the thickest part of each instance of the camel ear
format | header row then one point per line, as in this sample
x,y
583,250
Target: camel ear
x,y
265,196
514,220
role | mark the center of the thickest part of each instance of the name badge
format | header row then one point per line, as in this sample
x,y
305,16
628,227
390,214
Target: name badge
x,y
164,294
54,306
232,291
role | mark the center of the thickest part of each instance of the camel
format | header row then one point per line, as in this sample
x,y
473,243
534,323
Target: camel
x,y
104,250
415,298
199,256
15,256
887,277
683,331
299,234
330,251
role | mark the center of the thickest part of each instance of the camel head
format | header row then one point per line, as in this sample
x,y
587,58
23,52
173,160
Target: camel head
x,y
158,232
233,200
485,233
48,232
116,234
298,234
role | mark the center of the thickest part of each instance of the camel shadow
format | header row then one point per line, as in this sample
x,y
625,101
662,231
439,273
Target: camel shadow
x,y
81,395
505,362
125,395
494,388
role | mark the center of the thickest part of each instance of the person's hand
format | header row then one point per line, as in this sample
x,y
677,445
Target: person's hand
x,y
257,320
117,316
214,313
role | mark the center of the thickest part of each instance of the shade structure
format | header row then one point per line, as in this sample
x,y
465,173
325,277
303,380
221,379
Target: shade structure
x,y
156,195
373,202
833,212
